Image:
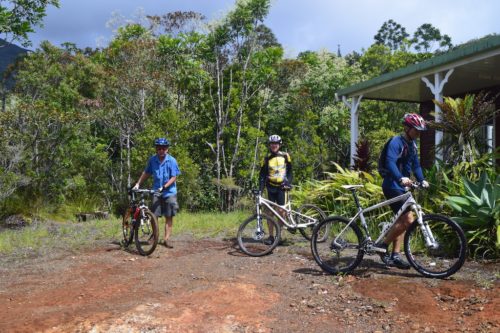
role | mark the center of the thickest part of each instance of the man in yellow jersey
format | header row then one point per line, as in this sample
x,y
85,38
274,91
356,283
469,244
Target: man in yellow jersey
x,y
276,176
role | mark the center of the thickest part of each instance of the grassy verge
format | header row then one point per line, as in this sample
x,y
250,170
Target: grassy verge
x,y
41,238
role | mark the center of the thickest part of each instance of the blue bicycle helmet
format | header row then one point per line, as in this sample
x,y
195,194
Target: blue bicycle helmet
x,y
162,142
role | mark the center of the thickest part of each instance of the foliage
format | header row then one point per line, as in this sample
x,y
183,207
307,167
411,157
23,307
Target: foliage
x,y
363,156
391,34
461,119
19,17
426,35
330,196
478,211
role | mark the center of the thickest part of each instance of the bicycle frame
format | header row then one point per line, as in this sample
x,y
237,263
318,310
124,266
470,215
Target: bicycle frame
x,y
139,205
290,214
409,202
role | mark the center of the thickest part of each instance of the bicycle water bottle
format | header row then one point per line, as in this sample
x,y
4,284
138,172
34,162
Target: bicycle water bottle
x,y
383,227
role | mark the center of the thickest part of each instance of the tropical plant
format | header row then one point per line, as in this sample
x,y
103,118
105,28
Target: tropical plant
x,y
478,211
362,159
461,121
330,196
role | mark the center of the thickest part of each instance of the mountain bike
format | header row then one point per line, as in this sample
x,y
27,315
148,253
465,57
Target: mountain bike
x,y
140,223
253,233
434,244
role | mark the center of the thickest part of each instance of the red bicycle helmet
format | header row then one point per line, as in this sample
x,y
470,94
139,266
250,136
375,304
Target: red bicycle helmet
x,y
415,121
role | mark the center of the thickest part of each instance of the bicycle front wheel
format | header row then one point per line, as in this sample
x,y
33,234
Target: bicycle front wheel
x,y
127,230
449,250
253,235
146,233
314,212
339,250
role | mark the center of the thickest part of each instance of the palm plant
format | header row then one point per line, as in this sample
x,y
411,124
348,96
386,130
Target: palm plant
x,y
461,121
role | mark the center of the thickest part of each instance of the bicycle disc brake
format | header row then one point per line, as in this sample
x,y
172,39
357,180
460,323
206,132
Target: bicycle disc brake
x,y
258,235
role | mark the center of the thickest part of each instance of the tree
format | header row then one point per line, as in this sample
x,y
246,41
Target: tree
x,y
391,34
426,36
50,118
240,66
19,17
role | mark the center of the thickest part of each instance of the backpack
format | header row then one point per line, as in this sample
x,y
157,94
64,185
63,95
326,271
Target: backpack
x,y
381,168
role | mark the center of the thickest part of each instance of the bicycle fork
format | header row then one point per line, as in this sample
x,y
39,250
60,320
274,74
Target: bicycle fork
x,y
430,241
259,231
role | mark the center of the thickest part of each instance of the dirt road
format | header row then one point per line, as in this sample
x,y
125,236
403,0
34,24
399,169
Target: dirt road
x,y
209,286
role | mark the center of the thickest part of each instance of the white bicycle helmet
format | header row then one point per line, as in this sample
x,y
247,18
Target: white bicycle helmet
x,y
275,139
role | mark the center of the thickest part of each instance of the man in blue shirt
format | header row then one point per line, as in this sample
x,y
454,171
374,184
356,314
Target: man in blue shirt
x,y
165,170
401,159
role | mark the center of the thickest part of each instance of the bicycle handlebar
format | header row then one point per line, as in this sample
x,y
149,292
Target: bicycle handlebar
x,y
153,192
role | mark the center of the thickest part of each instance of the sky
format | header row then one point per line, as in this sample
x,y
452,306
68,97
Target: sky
x,y
299,25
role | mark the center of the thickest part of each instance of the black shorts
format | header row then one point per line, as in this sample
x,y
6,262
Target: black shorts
x,y
165,206
390,193
276,194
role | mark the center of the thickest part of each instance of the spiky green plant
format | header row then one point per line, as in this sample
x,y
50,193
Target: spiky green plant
x,y
478,211
461,121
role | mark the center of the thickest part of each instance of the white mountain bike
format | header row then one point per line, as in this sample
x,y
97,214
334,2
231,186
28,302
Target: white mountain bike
x,y
434,244
254,232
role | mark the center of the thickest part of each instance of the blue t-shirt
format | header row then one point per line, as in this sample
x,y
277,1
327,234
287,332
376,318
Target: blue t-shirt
x,y
162,172
401,160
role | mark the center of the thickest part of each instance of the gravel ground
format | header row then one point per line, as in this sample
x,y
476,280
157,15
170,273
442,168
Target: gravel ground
x,y
208,285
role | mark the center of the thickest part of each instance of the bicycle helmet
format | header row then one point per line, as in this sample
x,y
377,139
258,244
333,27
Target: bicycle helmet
x,y
162,142
275,139
415,121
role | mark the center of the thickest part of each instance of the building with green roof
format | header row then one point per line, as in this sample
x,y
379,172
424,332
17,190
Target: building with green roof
x,y
470,68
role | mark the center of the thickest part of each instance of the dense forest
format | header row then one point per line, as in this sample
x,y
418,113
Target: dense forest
x,y
79,124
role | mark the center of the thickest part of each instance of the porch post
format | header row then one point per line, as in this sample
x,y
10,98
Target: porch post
x,y
353,106
437,90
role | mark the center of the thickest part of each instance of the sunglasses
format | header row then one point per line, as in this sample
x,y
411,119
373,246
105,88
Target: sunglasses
x,y
161,148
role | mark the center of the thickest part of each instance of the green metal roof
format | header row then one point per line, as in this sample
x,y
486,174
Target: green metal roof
x,y
477,66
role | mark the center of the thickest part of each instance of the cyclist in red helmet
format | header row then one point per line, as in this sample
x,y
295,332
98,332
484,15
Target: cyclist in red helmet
x,y
398,160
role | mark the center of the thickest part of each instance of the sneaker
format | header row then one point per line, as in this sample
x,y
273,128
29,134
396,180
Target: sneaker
x,y
398,262
269,240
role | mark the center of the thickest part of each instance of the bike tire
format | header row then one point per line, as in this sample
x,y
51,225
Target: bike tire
x,y
252,243
312,211
444,261
146,233
127,229
337,258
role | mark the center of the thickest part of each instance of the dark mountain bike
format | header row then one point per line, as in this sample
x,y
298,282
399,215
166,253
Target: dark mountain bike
x,y
140,223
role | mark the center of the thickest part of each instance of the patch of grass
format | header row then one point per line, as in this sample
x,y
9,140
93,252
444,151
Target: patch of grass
x,y
44,237
208,224
30,237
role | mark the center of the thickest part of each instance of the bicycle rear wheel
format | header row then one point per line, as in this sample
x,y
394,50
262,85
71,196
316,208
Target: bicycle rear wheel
x,y
340,251
146,233
314,212
449,255
253,237
127,229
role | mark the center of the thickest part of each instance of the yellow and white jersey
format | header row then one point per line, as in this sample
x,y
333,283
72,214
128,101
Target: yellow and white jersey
x,y
276,167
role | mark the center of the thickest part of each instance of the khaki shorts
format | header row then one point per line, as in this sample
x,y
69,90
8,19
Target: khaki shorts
x,y
165,206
